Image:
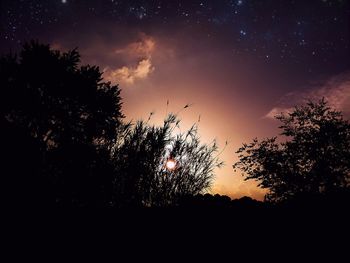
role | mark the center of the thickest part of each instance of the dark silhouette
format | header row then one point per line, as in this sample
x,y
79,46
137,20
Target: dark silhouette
x,y
141,160
220,202
313,161
64,142
59,120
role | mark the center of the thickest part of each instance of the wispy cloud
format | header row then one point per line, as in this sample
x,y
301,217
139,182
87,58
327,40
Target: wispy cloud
x,y
335,90
129,75
276,111
139,56
141,48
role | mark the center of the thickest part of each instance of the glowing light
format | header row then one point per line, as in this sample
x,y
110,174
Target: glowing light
x,y
170,164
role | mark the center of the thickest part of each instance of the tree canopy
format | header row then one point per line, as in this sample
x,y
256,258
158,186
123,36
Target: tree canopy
x,y
68,113
313,159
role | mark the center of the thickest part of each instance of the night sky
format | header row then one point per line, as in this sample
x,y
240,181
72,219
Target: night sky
x,y
239,62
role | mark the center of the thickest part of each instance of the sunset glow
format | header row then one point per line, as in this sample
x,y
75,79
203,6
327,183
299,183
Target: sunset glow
x,y
237,63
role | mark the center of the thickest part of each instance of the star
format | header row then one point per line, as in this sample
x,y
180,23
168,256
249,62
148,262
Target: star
x,y
302,42
243,33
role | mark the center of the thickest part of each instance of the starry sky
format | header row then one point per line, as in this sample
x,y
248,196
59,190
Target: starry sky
x,y
237,62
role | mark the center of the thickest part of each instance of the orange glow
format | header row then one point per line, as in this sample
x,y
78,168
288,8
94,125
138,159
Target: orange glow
x,y
162,75
170,164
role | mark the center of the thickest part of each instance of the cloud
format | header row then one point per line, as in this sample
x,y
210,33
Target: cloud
x,y
141,48
275,111
335,90
129,75
139,57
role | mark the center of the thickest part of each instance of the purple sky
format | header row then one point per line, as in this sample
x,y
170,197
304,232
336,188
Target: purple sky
x,y
239,62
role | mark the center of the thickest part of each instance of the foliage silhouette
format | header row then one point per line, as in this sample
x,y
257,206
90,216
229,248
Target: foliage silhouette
x,y
65,143
68,115
208,201
314,160
141,164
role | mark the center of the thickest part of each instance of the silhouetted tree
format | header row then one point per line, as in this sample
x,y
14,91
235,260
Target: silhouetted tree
x,y
314,159
65,144
141,160
67,117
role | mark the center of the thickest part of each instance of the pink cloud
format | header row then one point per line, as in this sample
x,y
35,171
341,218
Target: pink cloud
x,y
335,90
142,48
140,51
128,75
